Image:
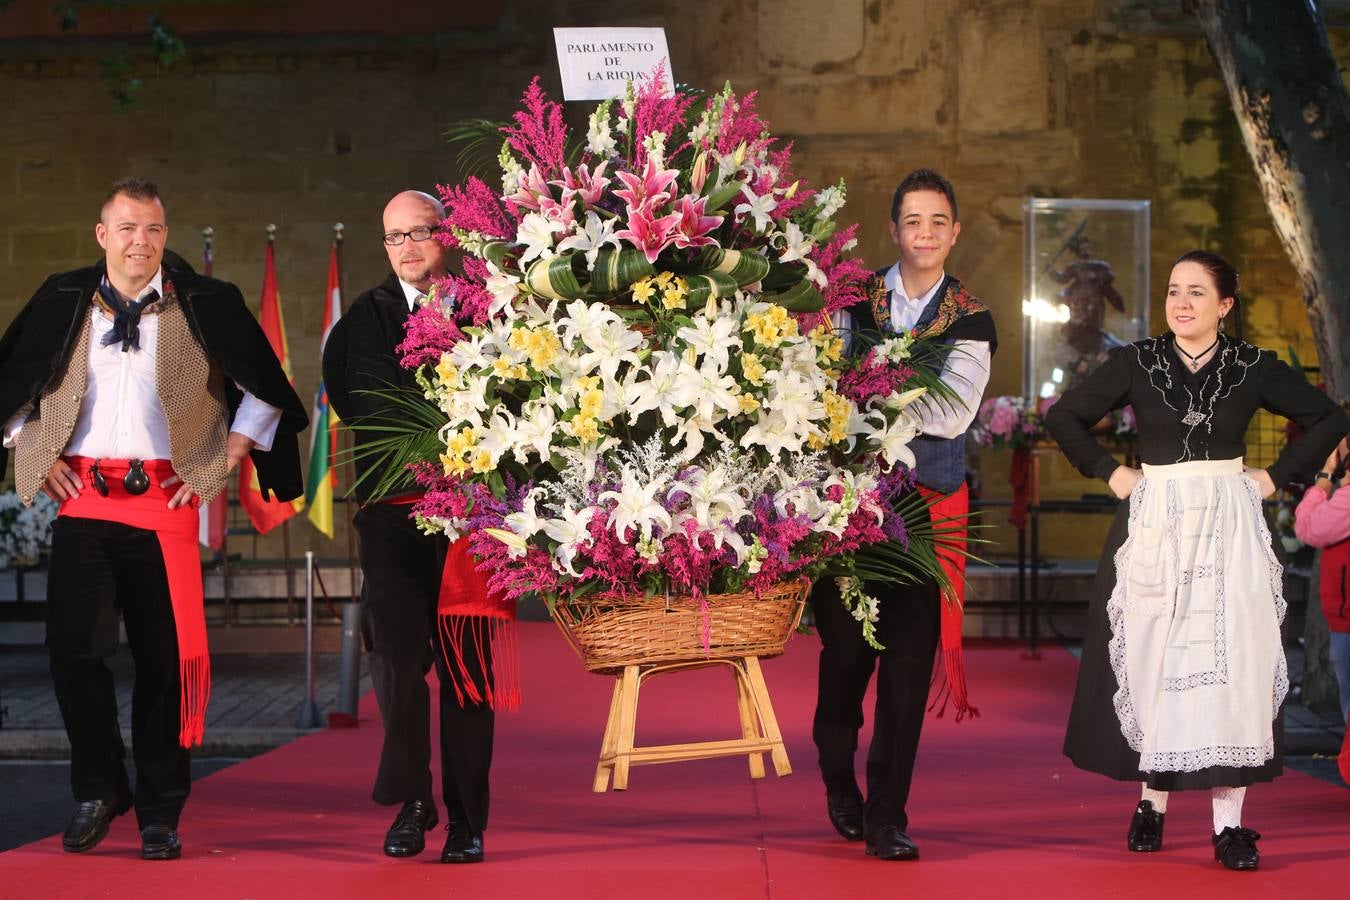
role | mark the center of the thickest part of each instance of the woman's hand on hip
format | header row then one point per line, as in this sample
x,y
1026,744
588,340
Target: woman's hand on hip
x,y
1123,480
1263,481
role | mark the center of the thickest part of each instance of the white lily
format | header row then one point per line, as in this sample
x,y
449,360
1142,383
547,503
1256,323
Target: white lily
x,y
662,391
613,343
893,441
514,542
584,321
526,523
536,233
590,236
636,505
774,433
712,339
794,397
535,430
757,208
693,432
712,498
473,352
899,401
504,288
570,532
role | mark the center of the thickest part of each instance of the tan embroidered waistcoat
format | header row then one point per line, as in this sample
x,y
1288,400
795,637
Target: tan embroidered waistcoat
x,y
191,391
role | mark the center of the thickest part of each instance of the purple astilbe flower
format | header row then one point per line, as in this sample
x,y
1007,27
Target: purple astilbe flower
x,y
469,292
654,112
428,332
848,277
740,123
473,206
539,134
873,376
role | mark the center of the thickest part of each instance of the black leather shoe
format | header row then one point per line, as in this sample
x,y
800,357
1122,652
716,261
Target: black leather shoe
x,y
462,845
846,815
90,823
160,842
1236,848
891,843
1146,828
406,835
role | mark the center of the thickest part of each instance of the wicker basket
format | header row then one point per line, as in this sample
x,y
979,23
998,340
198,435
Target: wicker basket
x,y
610,633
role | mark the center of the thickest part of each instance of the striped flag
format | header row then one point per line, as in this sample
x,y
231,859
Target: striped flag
x,y
321,480
215,515
268,514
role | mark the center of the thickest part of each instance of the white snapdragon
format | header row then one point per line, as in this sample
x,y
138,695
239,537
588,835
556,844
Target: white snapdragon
x,y
599,136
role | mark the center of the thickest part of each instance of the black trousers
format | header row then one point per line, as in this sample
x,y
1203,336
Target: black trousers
x,y
908,628
402,569
100,571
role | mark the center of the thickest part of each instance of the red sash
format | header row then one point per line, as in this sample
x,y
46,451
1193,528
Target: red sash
x,y
177,533
466,605
956,506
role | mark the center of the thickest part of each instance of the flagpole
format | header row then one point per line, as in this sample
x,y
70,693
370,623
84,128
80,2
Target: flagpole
x,y
339,235
208,269
285,525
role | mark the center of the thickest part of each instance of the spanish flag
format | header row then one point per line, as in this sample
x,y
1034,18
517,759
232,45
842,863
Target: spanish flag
x,y
321,480
268,514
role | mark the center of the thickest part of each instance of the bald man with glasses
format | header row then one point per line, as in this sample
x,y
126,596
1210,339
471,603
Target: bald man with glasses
x,y
403,567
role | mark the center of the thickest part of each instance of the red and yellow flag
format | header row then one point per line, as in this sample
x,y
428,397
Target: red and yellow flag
x,y
268,514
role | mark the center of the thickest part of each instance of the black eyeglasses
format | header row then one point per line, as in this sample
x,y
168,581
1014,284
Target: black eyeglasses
x,y
420,233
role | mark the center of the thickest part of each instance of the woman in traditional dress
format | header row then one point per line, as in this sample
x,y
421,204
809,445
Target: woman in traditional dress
x,y
1183,674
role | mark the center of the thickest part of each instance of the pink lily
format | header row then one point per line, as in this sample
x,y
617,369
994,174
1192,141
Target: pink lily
x,y
532,188
562,214
589,186
649,234
694,226
650,187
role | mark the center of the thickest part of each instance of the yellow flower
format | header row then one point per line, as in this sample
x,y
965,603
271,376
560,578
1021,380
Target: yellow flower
x,y
663,279
446,371
831,347
482,462
748,403
585,428
838,409
815,441
517,339
592,401
542,346
587,383
672,299
643,290
752,367
771,326
502,368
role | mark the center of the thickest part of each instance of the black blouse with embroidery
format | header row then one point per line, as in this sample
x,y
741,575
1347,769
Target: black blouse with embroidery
x,y
1184,416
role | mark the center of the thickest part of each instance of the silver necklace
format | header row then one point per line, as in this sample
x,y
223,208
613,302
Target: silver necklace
x,y
1193,360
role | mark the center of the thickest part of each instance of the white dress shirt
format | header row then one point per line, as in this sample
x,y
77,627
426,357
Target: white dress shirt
x,y
121,416
966,370
412,294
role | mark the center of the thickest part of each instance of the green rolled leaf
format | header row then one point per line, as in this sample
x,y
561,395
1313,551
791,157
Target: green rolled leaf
x,y
556,278
801,297
709,284
616,269
745,268
495,252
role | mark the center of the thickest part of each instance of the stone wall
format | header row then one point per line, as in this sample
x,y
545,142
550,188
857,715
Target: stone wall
x,y
1059,98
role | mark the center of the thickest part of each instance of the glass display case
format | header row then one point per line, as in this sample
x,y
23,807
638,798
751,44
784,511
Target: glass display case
x,y
1085,287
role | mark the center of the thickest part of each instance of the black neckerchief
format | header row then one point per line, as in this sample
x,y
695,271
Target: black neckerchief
x,y
126,315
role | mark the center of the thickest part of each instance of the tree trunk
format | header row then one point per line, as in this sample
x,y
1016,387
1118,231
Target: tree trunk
x,y
1294,113
1292,107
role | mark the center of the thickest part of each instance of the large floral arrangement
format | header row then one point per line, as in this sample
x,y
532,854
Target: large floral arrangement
x,y
25,532
634,387
1016,423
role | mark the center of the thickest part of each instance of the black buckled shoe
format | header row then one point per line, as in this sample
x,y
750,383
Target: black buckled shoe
x,y
846,815
160,842
1146,828
90,823
462,845
890,843
406,837
1236,848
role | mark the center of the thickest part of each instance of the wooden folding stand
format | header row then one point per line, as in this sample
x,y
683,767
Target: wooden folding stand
x,y
759,727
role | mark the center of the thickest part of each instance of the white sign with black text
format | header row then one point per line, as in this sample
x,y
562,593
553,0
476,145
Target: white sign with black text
x,y
597,63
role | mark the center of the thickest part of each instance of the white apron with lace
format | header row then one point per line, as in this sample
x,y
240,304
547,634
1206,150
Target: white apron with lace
x,y
1195,621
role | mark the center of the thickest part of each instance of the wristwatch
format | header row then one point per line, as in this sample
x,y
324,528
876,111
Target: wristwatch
x,y
1323,474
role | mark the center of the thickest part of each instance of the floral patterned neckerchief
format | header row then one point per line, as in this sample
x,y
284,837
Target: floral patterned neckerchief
x,y
956,302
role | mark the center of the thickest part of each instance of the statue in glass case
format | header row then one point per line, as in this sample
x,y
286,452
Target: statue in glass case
x,y
1088,289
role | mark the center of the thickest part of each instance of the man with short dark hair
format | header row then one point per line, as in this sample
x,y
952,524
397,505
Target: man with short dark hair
x,y
129,390
404,569
914,295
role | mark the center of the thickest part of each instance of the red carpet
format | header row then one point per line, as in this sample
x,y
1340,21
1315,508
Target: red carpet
x,y
996,811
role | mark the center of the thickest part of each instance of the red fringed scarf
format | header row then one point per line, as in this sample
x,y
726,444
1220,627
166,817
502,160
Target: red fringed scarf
x,y
956,507
177,533
470,615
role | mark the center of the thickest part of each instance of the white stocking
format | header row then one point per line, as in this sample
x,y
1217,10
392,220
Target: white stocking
x,y
1227,807
1157,798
